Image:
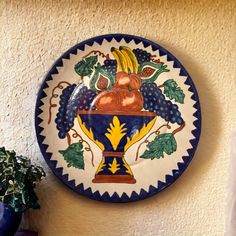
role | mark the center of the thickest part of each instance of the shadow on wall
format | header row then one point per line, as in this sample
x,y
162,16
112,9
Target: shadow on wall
x,y
211,122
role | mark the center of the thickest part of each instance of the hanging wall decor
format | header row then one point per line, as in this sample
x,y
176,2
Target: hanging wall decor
x,y
118,118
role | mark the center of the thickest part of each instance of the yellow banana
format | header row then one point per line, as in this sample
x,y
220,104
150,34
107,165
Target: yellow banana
x,y
129,61
121,60
127,51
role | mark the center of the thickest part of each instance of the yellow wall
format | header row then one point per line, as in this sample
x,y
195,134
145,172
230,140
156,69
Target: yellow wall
x,y
201,34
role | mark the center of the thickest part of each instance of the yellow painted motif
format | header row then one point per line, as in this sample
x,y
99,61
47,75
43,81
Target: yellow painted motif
x,y
101,165
89,133
139,134
115,132
128,169
114,167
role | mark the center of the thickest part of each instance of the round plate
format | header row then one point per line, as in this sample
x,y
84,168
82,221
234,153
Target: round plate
x,y
118,118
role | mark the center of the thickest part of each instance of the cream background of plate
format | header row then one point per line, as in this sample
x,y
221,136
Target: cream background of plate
x,y
201,35
146,172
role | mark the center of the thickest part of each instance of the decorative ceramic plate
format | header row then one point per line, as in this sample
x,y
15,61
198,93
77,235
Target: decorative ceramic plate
x,y
118,118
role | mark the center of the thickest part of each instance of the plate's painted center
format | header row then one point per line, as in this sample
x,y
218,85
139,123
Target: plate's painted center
x,y
122,114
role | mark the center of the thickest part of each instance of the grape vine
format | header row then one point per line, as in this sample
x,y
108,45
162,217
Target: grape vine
x,y
81,140
99,53
157,133
55,95
155,101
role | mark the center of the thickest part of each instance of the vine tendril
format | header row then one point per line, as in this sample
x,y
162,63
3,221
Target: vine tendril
x,y
157,132
81,140
99,53
55,95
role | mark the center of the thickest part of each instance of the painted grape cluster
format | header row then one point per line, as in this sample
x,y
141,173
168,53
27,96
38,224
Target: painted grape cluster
x,y
142,55
155,101
60,120
72,99
110,66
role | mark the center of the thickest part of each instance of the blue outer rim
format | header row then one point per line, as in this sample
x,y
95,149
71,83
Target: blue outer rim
x,y
152,189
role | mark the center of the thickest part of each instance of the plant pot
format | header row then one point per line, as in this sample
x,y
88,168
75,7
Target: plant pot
x,y
9,220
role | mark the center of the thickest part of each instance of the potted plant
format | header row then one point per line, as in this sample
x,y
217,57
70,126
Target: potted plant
x,y
18,178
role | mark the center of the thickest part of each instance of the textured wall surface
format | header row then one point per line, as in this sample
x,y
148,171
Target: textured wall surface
x,y
202,35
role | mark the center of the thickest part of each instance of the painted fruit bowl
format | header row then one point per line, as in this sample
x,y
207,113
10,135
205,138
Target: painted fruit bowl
x,y
114,133
118,118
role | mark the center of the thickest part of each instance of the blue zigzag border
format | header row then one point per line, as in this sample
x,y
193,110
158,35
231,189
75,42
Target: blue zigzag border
x,y
152,189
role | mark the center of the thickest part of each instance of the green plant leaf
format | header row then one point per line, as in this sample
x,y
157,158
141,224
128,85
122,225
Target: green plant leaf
x,y
163,143
172,91
18,178
85,66
73,155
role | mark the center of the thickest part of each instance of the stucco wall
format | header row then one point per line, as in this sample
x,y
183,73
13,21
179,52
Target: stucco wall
x,y
202,35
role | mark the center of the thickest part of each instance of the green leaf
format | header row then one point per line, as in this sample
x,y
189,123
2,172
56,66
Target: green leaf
x,y
101,74
172,91
85,67
163,143
73,155
18,177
